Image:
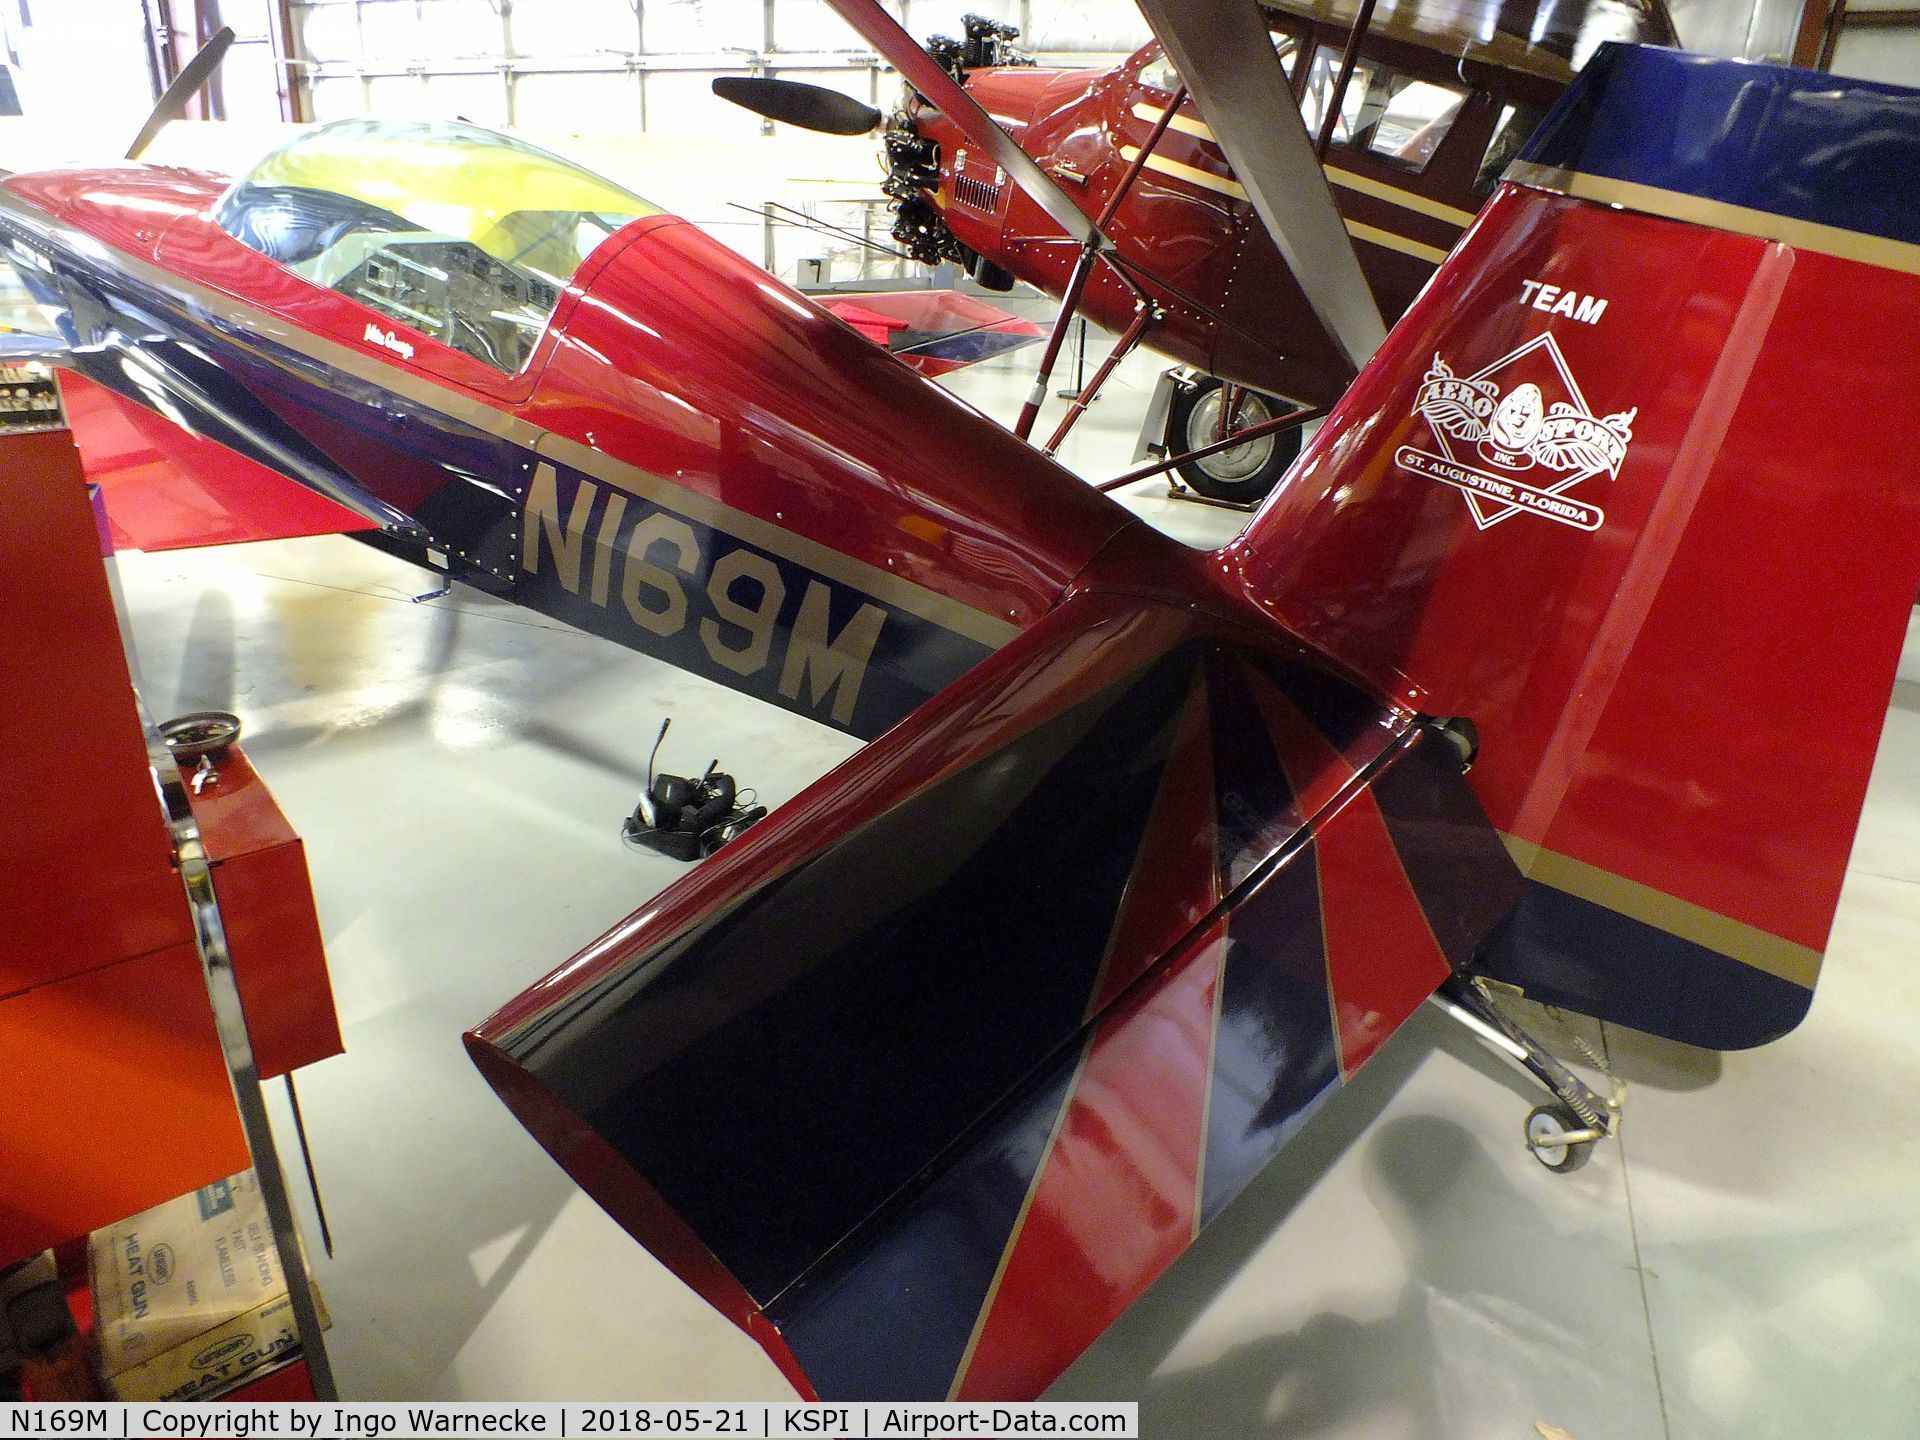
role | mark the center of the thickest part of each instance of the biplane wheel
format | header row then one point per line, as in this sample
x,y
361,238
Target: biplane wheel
x,y
1246,472
1544,1123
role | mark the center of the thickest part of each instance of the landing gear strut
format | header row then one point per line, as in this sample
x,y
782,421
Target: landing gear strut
x,y
1562,1135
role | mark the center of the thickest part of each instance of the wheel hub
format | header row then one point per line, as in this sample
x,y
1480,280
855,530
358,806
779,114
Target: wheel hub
x,y
1203,428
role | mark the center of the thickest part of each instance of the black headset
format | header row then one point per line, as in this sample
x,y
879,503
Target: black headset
x,y
685,818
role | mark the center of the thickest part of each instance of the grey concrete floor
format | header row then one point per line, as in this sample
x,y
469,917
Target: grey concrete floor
x,y
1744,1263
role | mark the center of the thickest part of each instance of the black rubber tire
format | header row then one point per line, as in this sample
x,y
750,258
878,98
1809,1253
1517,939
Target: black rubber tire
x,y
1572,1157
1196,409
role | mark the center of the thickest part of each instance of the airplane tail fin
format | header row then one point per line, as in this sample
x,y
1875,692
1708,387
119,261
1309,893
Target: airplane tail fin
x,y
1633,488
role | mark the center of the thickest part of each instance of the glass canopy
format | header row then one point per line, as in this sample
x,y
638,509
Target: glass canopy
x,y
462,234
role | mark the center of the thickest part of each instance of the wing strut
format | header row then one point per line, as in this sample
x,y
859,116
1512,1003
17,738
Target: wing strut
x,y
1330,119
930,78
1070,303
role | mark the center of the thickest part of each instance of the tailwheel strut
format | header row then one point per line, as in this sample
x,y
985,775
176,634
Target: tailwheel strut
x,y
1561,1135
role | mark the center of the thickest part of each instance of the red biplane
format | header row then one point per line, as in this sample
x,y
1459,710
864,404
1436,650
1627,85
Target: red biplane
x,y
1414,117
924,1079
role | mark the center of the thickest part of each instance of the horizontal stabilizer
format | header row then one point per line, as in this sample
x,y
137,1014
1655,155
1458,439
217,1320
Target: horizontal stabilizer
x,y
1201,882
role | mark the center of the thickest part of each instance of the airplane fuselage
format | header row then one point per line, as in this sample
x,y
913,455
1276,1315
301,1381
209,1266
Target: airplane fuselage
x,y
1230,305
831,559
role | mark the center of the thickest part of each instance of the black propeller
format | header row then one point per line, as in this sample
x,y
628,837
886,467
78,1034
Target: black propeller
x,y
793,102
193,75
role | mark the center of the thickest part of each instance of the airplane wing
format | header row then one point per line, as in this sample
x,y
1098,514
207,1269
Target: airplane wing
x,y
215,440
1226,56
934,331
185,457
169,488
21,347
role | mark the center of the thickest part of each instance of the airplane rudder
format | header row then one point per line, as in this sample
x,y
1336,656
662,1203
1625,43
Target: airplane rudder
x,y
1627,489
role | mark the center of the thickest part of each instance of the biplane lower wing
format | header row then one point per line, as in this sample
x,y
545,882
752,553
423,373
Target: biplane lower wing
x,y
934,331
1012,1002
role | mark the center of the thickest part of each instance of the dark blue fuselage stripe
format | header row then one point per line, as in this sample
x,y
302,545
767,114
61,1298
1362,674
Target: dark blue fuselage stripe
x,y
468,488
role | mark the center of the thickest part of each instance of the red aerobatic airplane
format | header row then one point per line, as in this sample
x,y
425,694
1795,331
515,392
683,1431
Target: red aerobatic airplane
x,y
927,1077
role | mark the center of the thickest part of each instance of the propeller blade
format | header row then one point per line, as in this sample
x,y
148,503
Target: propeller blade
x,y
925,74
793,102
188,83
1224,52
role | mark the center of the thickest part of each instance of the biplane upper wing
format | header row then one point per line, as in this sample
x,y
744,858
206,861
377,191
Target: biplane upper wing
x,y
1225,52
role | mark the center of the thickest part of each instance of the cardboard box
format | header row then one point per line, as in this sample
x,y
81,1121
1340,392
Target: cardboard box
x,y
189,1297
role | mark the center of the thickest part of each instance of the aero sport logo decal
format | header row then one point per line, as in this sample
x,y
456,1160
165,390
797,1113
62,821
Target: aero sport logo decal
x,y
1523,450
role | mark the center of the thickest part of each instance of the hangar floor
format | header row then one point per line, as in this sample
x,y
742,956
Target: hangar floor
x,y
1745,1262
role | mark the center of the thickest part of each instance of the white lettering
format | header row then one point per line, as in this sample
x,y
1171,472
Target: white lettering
x,y
386,339
1553,300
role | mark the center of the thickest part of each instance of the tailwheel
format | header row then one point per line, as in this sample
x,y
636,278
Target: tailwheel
x,y
1245,473
1559,1139
1560,1135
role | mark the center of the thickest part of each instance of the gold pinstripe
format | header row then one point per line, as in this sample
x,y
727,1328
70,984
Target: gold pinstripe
x,y
1192,174
1373,235
1718,214
1748,944
1393,195
1206,1091
1198,129
1348,179
1020,1220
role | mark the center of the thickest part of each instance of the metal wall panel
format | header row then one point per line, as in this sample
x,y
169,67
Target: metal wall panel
x,y
632,65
